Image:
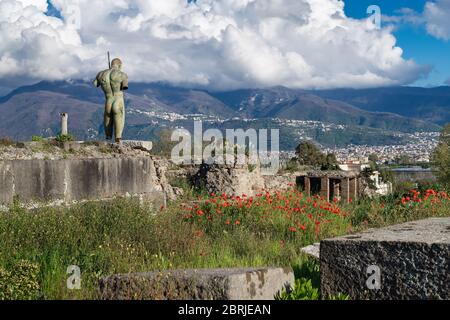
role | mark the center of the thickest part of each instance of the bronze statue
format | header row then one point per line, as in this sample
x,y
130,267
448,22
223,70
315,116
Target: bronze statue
x,y
113,82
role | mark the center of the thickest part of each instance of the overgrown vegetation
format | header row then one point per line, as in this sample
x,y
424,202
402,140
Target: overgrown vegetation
x,y
441,157
121,236
64,137
37,138
6,142
307,153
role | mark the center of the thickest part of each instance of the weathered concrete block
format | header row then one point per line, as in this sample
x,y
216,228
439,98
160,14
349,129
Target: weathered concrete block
x,y
137,144
81,179
413,261
201,284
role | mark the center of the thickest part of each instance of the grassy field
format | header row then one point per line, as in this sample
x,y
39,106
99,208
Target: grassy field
x,y
208,231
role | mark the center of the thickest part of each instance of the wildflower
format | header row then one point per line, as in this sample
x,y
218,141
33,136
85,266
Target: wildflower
x,y
200,212
237,222
292,229
198,233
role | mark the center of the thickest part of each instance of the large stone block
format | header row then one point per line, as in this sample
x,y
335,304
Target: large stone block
x,y
206,284
408,261
34,181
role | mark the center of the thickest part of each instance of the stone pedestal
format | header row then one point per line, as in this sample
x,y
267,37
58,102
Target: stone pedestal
x,y
137,144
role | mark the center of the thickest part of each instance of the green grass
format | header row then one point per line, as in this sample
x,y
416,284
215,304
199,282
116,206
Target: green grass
x,y
121,236
118,237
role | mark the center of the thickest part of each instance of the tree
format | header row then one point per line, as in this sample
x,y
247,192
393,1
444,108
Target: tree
x,y
330,163
441,157
309,154
403,159
373,158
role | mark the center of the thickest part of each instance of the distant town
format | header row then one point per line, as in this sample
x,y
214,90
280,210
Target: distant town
x,y
418,150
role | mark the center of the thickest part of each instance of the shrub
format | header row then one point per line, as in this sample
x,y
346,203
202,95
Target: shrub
x,y
64,137
303,290
6,142
21,283
339,296
37,138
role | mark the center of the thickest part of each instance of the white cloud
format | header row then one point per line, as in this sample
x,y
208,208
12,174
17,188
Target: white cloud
x,y
217,44
437,16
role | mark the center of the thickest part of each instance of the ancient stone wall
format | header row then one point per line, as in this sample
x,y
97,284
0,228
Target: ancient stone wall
x,y
82,179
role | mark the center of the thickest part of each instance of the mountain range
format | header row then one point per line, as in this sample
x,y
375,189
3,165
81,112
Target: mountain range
x,y
382,112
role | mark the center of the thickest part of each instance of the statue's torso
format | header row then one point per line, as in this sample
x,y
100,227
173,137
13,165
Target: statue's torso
x,y
112,82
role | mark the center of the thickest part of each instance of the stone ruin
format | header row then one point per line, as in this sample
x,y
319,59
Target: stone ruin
x,y
407,261
229,179
198,284
55,173
342,185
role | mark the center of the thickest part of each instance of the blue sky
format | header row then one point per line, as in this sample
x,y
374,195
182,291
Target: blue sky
x,y
416,43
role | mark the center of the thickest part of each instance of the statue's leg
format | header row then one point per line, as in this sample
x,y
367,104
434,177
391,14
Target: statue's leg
x,y
108,120
118,111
